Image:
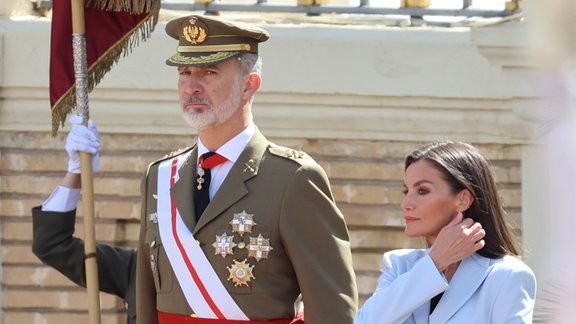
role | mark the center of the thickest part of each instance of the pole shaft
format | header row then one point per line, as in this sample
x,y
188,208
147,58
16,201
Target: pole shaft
x,y
80,71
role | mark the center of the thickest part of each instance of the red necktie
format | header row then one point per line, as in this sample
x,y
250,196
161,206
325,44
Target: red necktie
x,y
202,198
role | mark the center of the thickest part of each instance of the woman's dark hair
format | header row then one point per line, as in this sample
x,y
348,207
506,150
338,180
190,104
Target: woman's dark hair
x,y
463,167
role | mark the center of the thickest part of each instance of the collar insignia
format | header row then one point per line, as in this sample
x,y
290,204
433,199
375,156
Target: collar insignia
x,y
249,166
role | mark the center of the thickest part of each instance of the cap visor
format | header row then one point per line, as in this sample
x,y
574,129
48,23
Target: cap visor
x,y
180,59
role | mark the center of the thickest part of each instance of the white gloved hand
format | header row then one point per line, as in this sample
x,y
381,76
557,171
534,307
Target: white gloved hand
x,y
85,139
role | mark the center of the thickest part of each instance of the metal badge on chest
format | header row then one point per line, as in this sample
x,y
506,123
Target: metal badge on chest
x,y
241,272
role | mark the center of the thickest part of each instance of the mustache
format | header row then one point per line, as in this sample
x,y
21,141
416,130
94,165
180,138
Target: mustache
x,y
194,100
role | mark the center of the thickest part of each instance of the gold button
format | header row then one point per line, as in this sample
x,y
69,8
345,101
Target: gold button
x,y
194,315
152,244
197,242
241,245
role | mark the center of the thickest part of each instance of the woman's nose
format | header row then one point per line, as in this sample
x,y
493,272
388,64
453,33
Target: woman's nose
x,y
405,204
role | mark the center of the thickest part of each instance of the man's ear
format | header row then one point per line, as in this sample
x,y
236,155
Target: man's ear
x,y
465,200
252,84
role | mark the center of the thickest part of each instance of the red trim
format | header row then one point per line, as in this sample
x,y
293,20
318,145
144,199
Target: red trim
x,y
166,318
189,265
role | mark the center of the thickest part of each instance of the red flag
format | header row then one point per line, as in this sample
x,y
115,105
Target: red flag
x,y
112,29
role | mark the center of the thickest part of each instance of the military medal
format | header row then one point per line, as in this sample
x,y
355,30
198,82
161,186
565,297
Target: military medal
x,y
153,218
207,161
200,180
259,247
152,263
224,244
242,223
241,273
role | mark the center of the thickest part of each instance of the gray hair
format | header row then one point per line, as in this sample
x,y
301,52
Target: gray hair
x,y
249,63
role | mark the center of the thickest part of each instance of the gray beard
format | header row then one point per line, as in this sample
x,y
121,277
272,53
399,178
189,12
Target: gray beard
x,y
216,115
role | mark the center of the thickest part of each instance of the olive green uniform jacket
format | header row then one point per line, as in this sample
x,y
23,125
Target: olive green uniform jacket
x,y
290,199
54,244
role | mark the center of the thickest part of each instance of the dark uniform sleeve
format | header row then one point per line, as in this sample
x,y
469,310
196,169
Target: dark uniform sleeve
x,y
54,244
316,238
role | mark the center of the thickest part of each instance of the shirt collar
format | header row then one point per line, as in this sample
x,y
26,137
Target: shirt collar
x,y
232,149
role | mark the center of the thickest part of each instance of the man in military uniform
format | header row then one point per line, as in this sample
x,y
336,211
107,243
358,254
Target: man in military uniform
x,y
271,235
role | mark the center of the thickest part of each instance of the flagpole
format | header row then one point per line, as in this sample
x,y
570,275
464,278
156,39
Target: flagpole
x,y
80,71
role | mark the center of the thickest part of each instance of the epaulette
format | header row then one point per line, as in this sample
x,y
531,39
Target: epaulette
x,y
169,155
289,153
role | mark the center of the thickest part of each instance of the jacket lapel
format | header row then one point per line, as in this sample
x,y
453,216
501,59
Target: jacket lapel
x,y
233,187
421,314
183,190
469,276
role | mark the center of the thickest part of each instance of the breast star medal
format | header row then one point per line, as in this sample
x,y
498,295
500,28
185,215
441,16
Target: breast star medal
x,y
242,223
241,273
224,244
259,247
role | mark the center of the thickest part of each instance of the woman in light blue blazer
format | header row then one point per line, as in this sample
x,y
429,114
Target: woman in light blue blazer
x,y
470,273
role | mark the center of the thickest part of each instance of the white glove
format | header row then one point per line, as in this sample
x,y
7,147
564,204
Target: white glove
x,y
85,139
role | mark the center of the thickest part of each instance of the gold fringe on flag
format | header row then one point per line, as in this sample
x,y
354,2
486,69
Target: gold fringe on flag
x,y
122,48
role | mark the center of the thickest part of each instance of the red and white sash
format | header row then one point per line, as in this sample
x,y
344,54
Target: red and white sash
x,y
200,284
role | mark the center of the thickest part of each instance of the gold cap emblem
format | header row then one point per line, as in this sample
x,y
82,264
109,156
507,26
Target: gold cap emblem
x,y
194,33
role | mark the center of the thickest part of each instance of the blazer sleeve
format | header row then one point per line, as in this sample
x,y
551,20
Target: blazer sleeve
x,y
408,280
54,244
315,236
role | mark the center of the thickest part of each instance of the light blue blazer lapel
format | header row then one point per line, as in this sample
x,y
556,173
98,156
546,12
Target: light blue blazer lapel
x,y
233,188
183,190
466,281
420,314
